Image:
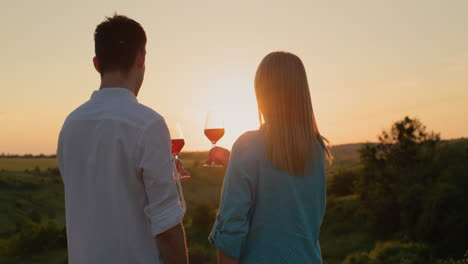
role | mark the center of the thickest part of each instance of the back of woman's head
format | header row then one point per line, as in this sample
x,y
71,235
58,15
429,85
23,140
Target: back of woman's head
x,y
286,113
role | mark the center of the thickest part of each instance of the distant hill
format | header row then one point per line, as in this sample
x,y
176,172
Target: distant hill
x,y
345,156
461,141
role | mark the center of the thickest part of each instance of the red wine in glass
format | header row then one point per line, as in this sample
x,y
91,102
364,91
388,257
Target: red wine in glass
x,y
214,134
177,145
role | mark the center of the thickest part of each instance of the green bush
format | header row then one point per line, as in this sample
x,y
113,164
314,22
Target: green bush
x,y
35,238
342,182
392,252
357,258
396,252
452,261
35,216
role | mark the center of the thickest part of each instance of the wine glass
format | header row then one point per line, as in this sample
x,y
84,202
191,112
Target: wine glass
x,y
214,131
178,142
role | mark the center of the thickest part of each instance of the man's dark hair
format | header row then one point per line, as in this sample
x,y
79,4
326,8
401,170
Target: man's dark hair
x,y
117,42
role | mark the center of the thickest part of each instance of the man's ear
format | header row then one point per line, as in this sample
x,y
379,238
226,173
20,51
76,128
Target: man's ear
x,y
96,64
140,61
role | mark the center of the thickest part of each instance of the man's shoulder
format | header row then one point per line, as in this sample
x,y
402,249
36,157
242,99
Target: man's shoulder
x,y
78,112
133,113
147,114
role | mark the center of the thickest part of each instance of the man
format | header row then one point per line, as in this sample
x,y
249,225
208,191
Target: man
x,y
114,154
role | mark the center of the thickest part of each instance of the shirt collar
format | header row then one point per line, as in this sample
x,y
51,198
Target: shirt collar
x,y
114,92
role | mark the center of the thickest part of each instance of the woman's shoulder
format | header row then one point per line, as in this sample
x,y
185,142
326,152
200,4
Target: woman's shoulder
x,y
248,140
248,147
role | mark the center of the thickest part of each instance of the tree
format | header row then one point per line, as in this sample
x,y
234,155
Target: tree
x,y
388,165
415,186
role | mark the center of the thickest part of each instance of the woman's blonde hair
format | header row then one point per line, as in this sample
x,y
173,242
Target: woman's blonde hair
x,y
286,114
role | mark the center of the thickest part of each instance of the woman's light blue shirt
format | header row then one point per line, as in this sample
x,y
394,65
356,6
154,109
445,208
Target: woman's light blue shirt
x,y
267,215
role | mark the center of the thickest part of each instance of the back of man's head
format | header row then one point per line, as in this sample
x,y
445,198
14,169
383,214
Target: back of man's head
x,y
117,42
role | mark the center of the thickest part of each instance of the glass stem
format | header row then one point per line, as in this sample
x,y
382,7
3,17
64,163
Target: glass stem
x,y
212,147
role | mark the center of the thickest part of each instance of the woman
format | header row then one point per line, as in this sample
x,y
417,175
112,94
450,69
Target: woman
x,y
273,196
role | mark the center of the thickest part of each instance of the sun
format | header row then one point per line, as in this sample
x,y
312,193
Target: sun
x,y
241,115
232,94
239,108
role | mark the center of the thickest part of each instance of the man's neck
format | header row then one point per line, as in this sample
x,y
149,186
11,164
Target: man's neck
x,y
117,79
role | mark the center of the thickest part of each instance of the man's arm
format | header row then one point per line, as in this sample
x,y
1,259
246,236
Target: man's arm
x,y
172,245
164,209
225,259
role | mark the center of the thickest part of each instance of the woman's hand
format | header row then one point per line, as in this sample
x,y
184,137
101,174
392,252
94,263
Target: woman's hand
x,y
219,156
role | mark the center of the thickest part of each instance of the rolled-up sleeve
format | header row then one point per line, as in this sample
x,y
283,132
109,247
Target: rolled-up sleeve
x,y
232,223
155,160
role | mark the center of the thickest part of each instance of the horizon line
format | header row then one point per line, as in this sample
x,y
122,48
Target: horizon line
x,y
193,151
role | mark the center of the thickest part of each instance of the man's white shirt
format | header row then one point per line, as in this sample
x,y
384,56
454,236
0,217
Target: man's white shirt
x,y
114,155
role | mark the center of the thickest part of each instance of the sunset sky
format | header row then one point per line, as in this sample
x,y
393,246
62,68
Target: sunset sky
x,y
369,63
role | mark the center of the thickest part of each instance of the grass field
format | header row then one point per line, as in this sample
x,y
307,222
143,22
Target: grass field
x,y
49,257
21,164
346,156
28,190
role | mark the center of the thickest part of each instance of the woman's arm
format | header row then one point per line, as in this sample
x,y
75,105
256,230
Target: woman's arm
x,y
232,222
225,259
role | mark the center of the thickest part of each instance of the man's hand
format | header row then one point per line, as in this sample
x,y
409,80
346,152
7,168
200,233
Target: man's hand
x,y
172,245
219,156
183,174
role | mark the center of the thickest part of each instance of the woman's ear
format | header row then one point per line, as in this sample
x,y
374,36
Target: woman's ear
x,y
96,64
